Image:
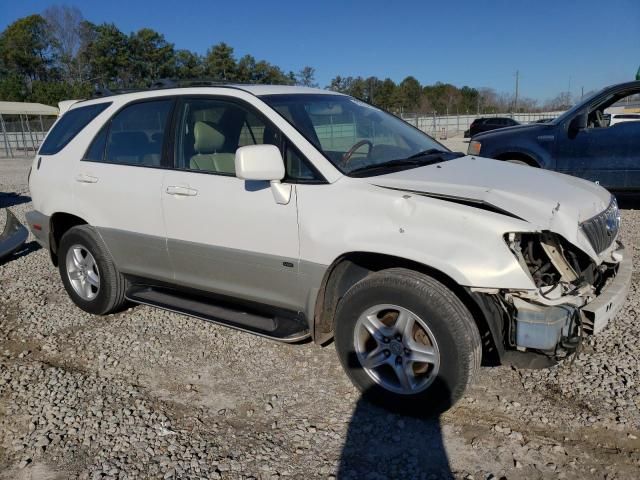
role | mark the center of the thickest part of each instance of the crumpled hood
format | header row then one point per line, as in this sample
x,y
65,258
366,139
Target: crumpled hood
x,y
548,200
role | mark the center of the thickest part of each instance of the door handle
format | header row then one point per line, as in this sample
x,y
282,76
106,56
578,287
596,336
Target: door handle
x,y
181,191
82,178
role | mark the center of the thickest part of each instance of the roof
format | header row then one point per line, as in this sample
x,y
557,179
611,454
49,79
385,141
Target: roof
x,y
18,108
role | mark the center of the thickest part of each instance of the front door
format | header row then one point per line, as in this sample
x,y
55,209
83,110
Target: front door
x,y
227,235
603,153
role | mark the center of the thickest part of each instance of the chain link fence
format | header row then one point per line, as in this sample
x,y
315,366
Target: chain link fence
x,y
445,126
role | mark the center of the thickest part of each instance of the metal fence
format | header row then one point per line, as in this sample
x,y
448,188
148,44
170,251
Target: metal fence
x,y
22,134
445,126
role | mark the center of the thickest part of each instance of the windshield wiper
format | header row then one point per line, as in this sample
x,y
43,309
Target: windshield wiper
x,y
427,157
404,162
430,151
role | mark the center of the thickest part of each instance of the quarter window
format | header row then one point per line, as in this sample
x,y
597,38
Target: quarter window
x,y
136,134
69,125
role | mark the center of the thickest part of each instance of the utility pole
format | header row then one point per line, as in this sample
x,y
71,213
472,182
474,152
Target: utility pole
x,y
515,103
582,94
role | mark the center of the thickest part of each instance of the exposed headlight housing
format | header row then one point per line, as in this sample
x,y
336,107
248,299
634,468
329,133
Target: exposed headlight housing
x,y
474,147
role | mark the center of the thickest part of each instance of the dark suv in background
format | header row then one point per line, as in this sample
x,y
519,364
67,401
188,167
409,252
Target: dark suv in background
x,y
492,123
580,142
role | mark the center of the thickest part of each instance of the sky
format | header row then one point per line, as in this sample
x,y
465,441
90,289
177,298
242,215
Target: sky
x,y
555,45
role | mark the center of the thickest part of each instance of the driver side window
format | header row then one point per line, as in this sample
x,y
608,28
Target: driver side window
x,y
615,110
209,131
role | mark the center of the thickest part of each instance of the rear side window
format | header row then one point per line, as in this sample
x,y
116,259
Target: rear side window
x,y
134,136
71,123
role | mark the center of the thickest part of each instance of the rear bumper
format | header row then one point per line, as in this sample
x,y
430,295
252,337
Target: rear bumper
x,y
603,308
39,225
13,235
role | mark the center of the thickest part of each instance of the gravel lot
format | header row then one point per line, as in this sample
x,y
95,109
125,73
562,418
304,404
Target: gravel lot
x,y
151,394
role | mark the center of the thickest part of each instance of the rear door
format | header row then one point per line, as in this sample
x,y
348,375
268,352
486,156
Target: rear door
x,y
118,187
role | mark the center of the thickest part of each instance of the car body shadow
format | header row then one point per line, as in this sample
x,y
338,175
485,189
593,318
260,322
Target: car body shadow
x,y
12,199
628,201
381,444
23,251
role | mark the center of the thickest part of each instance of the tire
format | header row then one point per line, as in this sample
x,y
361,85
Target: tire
x,y
450,329
109,295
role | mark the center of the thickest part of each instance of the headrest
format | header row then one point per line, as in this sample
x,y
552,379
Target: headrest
x,y
207,138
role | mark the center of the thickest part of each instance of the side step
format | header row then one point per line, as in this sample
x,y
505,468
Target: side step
x,y
283,327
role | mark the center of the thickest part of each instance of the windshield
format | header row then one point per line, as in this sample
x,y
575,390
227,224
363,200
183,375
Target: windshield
x,y
355,136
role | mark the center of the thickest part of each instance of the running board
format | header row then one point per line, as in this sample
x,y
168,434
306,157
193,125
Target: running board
x,y
284,328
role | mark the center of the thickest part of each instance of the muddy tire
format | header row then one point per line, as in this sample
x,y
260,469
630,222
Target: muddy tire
x,y
89,273
407,342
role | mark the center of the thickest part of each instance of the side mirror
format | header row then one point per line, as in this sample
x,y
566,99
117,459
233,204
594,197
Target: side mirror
x,y
263,163
579,122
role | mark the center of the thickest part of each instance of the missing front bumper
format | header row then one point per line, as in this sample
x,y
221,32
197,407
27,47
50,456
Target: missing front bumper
x,y
605,306
13,235
544,327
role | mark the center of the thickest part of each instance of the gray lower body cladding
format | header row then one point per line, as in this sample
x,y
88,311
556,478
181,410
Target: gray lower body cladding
x,y
269,279
40,225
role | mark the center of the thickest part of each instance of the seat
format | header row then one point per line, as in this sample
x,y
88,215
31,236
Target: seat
x,y
208,141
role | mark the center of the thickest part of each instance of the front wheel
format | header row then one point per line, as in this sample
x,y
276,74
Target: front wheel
x,y
407,341
88,273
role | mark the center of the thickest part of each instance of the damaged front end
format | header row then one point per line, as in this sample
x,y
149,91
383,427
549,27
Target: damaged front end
x,y
13,235
574,296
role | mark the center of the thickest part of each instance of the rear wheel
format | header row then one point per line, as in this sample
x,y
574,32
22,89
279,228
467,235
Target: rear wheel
x,y
407,341
88,272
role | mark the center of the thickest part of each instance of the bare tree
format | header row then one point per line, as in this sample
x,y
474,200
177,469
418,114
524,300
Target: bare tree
x,y
65,29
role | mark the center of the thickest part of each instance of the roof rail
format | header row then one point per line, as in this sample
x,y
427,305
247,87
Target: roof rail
x,y
99,91
162,83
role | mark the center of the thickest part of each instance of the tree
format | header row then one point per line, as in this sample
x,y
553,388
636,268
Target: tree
x,y
26,48
245,69
410,92
306,77
385,95
152,57
220,63
188,65
108,56
63,23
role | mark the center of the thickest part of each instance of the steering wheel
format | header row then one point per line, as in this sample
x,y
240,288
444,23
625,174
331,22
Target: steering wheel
x,y
349,153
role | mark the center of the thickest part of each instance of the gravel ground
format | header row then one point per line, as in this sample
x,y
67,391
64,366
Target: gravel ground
x,y
151,394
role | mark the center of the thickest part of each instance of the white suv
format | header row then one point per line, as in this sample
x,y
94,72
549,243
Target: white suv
x,y
292,213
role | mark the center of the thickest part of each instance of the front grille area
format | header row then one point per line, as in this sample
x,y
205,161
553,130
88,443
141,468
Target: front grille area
x,y
602,229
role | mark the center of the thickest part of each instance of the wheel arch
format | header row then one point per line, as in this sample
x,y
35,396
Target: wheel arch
x,y
59,224
349,268
515,155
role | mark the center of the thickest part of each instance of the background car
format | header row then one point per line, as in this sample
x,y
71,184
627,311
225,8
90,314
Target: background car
x,y
491,123
580,142
623,117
